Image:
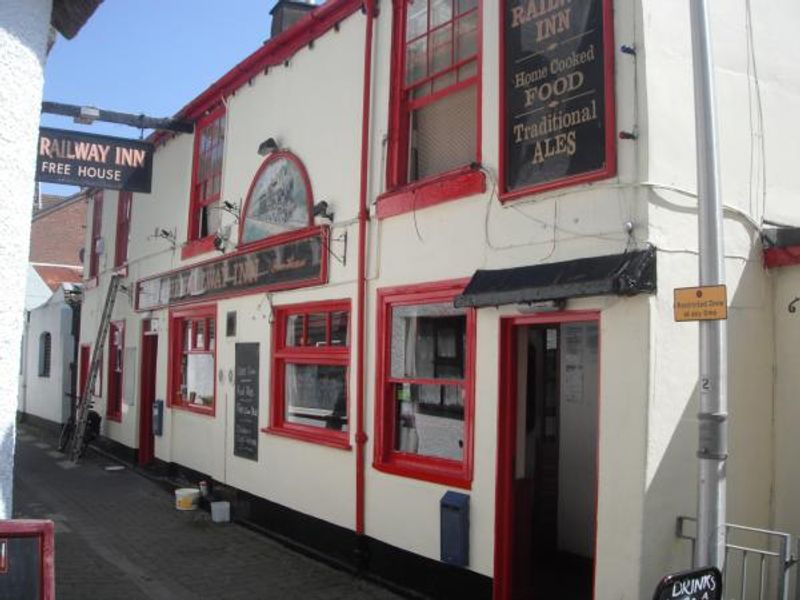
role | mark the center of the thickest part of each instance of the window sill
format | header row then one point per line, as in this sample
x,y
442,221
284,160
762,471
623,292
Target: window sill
x,y
205,411
196,247
426,469
340,441
430,192
116,417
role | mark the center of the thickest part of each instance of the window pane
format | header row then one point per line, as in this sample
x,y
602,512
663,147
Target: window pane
x,y
467,37
444,134
213,217
468,70
294,330
212,333
416,19
444,81
428,341
199,378
187,335
316,395
465,5
416,60
200,335
429,420
441,49
441,12
339,328
317,325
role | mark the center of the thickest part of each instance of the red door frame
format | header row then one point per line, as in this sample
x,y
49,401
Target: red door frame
x,y
84,358
147,372
506,439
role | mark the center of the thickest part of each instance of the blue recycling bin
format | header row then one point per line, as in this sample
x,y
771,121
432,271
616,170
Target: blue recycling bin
x,y
455,529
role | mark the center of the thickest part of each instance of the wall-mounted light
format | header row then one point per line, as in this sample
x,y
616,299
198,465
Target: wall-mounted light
x,y
87,115
165,234
322,209
268,146
221,238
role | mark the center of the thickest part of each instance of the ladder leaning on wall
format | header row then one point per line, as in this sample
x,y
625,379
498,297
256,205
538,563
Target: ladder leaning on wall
x,y
84,402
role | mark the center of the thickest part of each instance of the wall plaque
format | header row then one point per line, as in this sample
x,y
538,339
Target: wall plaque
x,y
298,259
557,94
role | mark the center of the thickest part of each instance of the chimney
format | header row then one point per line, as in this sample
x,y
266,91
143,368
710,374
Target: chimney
x,y
286,13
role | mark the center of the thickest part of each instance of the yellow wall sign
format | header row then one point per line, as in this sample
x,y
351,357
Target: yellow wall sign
x,y
708,303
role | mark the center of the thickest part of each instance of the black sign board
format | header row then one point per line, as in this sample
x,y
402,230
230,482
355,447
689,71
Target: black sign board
x,y
699,584
245,418
296,262
90,160
557,94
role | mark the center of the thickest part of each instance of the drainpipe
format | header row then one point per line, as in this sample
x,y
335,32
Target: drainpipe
x,y
363,218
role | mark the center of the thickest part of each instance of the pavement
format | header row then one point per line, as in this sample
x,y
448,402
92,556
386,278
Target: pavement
x,y
119,537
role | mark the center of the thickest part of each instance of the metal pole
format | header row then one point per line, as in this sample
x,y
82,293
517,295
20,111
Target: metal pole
x,y
713,382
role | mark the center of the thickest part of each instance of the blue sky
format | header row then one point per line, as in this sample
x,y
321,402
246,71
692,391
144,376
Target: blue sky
x,y
149,56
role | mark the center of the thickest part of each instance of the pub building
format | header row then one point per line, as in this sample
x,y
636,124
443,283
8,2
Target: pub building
x,y
405,294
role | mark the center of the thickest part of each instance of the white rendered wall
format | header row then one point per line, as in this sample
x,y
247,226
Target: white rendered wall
x,y
46,397
24,25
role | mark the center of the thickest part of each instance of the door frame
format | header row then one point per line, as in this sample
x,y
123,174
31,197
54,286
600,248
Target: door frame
x,y
146,452
506,436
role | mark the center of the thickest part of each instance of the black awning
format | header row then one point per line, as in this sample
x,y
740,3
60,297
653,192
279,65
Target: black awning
x,y
619,274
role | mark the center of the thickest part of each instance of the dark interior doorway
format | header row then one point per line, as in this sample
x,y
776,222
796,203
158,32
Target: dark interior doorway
x,y
548,460
147,393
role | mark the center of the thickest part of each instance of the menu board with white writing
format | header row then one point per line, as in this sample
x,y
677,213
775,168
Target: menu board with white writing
x,y
558,97
245,406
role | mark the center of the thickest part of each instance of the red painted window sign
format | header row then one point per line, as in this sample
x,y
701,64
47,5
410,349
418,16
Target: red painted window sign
x,y
425,388
192,370
310,373
435,97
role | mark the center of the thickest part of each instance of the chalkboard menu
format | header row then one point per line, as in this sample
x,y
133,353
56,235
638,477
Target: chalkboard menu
x,y
699,584
245,418
557,94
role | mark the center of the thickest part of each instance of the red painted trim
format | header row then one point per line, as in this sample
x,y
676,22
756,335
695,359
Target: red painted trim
x,y
400,107
430,192
361,292
290,236
325,355
97,232
115,388
285,154
85,359
147,373
124,205
782,257
176,317
610,169
506,440
193,248
274,52
45,531
386,459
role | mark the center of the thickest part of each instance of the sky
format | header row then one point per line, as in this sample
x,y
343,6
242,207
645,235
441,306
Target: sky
x,y
149,56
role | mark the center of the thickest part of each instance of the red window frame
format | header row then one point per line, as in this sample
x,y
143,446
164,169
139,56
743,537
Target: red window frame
x,y
325,354
97,230
199,198
177,322
386,458
123,228
116,366
405,195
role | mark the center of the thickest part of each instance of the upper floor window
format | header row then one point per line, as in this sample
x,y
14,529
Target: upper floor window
x,y
96,248
193,336
45,350
435,118
209,142
123,228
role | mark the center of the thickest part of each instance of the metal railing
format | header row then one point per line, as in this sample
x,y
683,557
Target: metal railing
x,y
760,564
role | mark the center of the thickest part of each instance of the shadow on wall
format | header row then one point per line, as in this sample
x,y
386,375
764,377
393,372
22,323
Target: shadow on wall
x,y
7,470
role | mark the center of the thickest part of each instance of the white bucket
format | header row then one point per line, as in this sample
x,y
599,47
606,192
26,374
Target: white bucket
x,y
187,498
221,511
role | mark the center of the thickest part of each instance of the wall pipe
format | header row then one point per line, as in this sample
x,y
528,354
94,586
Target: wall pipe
x,y
363,217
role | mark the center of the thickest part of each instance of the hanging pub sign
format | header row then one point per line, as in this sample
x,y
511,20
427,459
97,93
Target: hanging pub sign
x,y
89,160
291,261
557,94
698,584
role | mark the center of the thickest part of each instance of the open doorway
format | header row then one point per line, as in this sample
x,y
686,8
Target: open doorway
x,y
547,457
147,392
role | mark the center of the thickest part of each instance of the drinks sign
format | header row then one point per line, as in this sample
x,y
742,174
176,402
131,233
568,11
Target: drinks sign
x,y
699,584
90,160
557,94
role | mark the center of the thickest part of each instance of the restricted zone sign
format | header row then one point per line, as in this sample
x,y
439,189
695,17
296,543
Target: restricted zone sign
x,y
706,303
699,584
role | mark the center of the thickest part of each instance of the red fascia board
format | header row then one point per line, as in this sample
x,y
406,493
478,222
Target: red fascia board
x,y
275,51
782,257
